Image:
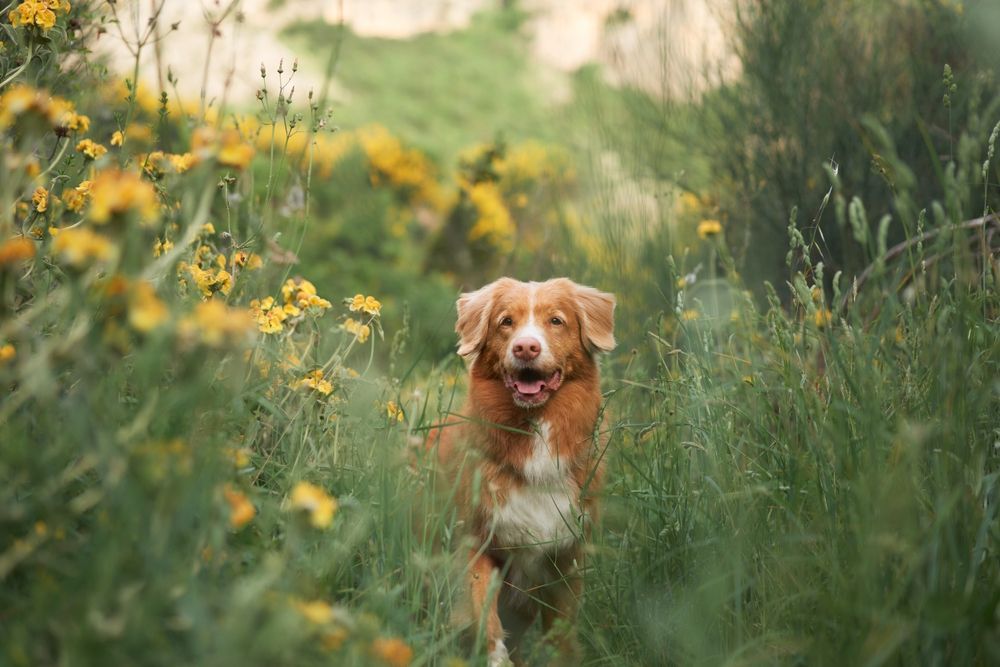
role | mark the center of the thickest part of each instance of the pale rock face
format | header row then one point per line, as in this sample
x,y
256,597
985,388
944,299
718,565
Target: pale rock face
x,y
666,47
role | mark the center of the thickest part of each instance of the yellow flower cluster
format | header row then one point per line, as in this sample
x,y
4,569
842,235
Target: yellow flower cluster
x,y
392,651
7,352
215,324
268,315
707,228
314,380
16,250
360,331
40,198
145,309
393,411
210,281
493,221
40,13
241,510
300,294
115,193
24,102
157,163
80,247
315,502
404,168
367,304
77,198
226,147
250,261
90,149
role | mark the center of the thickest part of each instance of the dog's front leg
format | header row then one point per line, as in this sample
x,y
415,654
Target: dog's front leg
x,y
484,588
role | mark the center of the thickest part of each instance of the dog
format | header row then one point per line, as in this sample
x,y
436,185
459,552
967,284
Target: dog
x,y
527,455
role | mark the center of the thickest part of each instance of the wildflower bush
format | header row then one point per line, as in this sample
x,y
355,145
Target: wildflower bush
x,y
225,332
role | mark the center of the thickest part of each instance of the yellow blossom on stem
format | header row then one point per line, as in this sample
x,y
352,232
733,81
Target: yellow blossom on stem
x,y
145,309
317,612
690,315
16,250
34,13
215,324
241,510
392,651
707,228
268,315
40,198
210,282
116,193
251,261
316,502
315,381
361,331
7,352
117,139
822,317
227,147
90,149
79,246
393,411
77,198
367,304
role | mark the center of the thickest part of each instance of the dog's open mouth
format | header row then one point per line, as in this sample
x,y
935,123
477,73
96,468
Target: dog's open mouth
x,y
532,387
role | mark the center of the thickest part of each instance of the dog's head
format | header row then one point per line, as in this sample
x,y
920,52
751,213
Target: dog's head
x,y
534,336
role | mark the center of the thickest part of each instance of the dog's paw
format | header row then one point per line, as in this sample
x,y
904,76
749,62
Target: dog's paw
x,y
499,656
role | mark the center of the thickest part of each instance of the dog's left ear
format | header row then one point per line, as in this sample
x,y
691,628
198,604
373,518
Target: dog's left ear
x,y
597,318
473,319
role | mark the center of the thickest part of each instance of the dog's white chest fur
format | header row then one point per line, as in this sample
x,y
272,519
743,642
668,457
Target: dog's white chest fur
x,y
542,515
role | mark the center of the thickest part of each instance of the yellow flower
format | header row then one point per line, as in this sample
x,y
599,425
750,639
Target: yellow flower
x,y
145,310
117,139
368,304
7,352
314,500
33,13
315,381
115,193
493,221
78,197
182,162
268,315
248,260
227,147
215,324
707,228
210,282
393,410
241,510
16,250
361,331
40,199
822,317
162,247
689,315
317,612
392,651
79,246
90,149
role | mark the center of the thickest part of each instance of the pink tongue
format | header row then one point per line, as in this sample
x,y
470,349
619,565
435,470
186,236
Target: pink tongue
x,y
529,387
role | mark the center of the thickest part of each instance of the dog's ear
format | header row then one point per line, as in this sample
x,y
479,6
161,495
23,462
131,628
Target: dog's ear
x,y
473,319
597,318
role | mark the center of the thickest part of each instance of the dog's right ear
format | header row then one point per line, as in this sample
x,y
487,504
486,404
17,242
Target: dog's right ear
x,y
473,319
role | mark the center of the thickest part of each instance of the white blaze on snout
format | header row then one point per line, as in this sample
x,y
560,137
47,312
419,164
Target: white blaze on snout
x,y
530,329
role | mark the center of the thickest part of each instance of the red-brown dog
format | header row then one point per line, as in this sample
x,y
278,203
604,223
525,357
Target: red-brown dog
x,y
527,489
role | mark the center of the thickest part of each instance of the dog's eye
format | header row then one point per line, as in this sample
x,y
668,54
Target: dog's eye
x,y
556,321
506,322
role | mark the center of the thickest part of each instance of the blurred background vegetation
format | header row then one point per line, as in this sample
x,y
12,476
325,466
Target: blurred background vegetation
x,y
210,448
